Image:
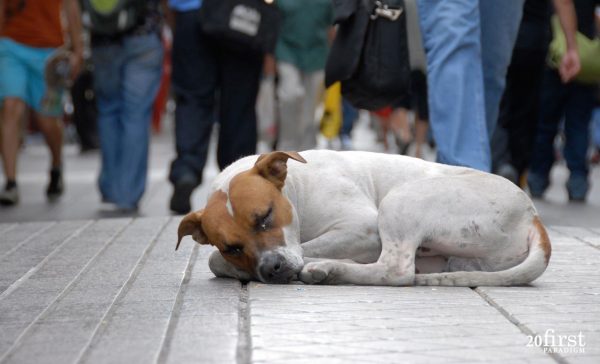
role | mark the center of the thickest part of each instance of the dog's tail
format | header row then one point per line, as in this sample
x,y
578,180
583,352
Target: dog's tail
x,y
532,267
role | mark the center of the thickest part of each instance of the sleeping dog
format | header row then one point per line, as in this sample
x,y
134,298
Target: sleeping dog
x,y
368,219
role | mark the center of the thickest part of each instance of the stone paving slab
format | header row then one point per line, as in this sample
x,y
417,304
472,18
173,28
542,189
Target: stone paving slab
x,y
115,290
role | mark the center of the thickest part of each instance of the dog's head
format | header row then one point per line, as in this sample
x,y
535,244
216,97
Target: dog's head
x,y
249,222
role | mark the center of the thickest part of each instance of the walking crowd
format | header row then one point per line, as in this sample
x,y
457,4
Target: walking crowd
x,y
508,87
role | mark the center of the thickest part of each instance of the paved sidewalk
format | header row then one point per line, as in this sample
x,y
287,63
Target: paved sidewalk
x,y
114,290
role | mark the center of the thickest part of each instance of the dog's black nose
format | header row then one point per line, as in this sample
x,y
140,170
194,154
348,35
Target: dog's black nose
x,y
273,268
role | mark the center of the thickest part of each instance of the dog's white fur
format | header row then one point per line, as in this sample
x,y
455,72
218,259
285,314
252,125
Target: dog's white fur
x,y
389,212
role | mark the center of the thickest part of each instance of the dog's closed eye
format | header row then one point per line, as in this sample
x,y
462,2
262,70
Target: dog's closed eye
x,y
264,221
233,250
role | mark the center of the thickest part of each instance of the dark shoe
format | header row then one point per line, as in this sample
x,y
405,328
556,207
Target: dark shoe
x,y
577,187
180,201
10,195
55,187
537,184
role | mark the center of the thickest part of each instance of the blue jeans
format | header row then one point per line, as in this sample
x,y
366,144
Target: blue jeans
x,y
126,80
469,45
596,127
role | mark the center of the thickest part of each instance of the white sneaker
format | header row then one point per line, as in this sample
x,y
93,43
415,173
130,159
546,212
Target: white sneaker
x,y
10,196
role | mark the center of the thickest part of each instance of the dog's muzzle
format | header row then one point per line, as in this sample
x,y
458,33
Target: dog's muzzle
x,y
275,268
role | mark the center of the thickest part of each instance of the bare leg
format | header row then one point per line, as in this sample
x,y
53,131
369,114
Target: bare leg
x,y
14,109
52,129
400,125
421,128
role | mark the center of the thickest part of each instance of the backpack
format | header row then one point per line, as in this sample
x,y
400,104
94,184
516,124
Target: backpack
x,y
370,53
112,17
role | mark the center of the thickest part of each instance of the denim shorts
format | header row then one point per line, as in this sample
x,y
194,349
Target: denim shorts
x,y
22,74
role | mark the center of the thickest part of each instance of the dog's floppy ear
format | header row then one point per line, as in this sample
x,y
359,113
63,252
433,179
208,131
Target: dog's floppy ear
x,y
273,166
192,225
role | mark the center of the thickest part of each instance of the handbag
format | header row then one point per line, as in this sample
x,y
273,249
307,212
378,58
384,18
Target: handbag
x,y
589,53
370,53
245,25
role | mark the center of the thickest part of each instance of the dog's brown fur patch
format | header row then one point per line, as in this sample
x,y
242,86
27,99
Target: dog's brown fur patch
x,y
544,239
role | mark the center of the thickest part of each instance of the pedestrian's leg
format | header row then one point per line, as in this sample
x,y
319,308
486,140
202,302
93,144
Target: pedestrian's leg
x,y
421,129
313,87
552,101
596,127
499,27
195,81
578,113
240,77
452,40
290,95
108,62
525,107
141,80
51,128
13,111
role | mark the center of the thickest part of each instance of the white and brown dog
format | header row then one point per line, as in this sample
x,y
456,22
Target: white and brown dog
x,y
368,219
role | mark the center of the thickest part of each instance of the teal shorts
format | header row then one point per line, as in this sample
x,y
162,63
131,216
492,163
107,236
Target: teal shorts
x,y
22,74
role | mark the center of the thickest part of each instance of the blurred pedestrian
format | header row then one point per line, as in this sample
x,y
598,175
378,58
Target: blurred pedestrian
x,y
512,141
468,46
417,101
127,71
211,81
30,34
301,54
574,101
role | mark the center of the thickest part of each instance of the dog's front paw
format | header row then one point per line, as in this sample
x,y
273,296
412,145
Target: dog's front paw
x,y
316,272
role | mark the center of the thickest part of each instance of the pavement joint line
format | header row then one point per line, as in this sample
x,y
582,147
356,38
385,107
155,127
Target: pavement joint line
x,y
522,327
16,284
165,345
27,240
244,344
576,237
8,228
60,295
122,292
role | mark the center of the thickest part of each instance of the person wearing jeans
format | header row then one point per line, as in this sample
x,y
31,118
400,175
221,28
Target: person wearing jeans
x,y
127,71
575,102
212,82
468,46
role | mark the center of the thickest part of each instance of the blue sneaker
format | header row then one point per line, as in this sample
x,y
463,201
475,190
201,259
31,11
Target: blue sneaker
x,y
577,187
537,184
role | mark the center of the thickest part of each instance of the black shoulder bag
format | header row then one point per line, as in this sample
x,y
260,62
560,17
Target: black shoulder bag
x,y
370,53
244,25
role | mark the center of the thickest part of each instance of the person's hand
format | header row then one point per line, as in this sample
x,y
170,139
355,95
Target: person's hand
x,y
569,65
76,62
